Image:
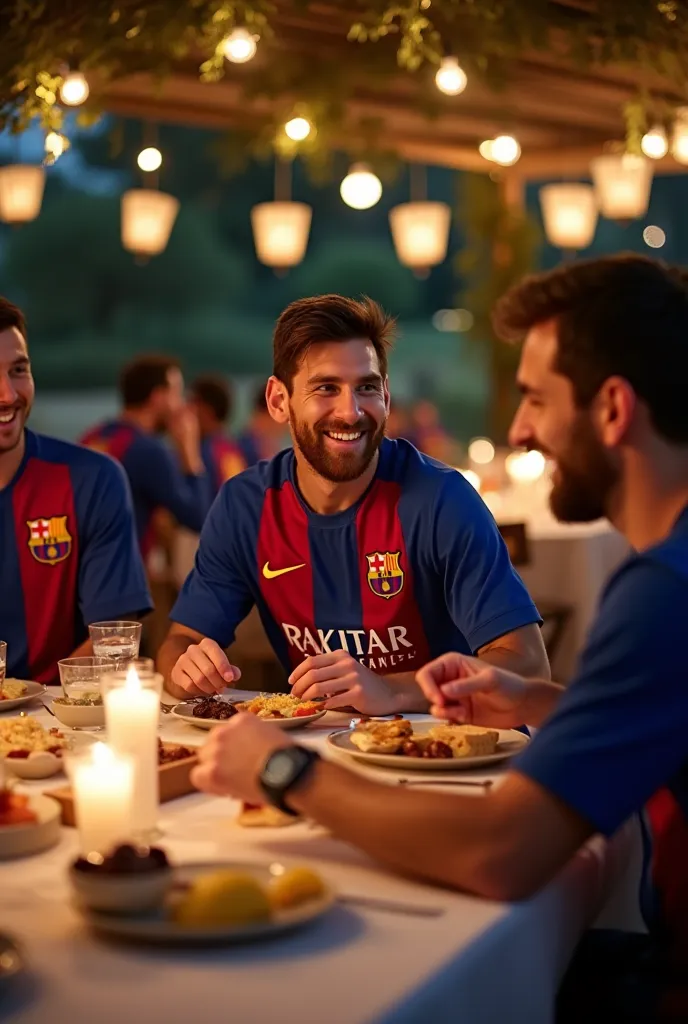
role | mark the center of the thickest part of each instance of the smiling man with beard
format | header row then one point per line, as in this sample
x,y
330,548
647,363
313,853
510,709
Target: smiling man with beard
x,y
364,557
69,555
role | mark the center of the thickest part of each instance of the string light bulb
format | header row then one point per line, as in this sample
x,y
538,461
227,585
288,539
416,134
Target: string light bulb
x,y
55,145
74,89
361,189
505,150
655,143
451,79
149,159
297,129
239,46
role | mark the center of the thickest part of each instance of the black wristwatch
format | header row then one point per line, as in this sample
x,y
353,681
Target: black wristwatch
x,y
282,770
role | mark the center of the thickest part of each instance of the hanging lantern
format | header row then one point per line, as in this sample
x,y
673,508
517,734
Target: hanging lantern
x,y
361,188
147,220
622,185
421,233
280,232
679,141
655,143
569,212
21,192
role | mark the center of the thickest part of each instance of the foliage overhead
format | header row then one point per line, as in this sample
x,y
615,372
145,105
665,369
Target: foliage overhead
x,y
41,39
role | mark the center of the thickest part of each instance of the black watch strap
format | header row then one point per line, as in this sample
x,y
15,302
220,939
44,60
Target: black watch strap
x,y
283,769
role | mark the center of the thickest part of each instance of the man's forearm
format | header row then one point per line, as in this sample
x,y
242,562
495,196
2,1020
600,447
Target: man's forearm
x,y
529,661
168,655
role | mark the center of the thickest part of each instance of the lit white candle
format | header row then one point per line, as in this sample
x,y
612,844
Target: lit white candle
x,y
132,714
103,787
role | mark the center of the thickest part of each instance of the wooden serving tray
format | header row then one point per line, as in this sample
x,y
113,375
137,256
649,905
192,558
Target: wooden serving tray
x,y
175,781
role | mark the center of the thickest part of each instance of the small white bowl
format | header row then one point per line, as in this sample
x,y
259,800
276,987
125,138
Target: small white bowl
x,y
79,716
121,894
40,764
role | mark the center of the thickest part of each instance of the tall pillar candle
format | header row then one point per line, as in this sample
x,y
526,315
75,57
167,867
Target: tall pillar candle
x,y
132,714
103,788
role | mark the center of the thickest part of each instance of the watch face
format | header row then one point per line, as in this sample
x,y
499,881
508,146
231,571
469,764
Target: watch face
x,y
281,767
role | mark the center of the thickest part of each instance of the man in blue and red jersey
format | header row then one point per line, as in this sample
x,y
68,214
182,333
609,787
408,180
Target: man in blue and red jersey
x,y
152,391
365,558
69,553
603,373
211,399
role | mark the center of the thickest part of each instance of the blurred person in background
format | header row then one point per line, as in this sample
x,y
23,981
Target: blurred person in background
x,y
152,393
430,436
211,399
399,422
69,555
261,438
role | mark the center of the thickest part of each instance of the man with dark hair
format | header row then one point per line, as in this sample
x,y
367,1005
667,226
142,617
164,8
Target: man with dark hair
x,y
262,437
363,557
211,400
152,392
69,553
602,374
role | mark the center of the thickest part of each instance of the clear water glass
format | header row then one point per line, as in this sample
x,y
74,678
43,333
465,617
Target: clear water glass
x,y
119,642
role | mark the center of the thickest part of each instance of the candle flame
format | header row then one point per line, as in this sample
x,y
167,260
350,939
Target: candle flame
x,y
102,754
132,681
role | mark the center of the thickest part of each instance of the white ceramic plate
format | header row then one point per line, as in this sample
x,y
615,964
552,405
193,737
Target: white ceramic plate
x,y
33,690
23,840
510,743
184,711
79,716
157,928
40,764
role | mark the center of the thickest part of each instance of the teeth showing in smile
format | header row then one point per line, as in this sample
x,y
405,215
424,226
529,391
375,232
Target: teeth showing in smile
x,y
344,437
7,417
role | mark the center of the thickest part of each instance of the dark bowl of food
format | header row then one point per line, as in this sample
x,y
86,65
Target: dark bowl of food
x,y
129,880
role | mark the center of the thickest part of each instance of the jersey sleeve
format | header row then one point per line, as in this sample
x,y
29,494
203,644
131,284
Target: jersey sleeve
x,y
112,580
619,731
154,471
485,596
216,595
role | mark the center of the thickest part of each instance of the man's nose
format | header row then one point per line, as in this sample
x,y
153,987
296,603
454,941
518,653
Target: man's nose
x,y
347,407
520,432
8,395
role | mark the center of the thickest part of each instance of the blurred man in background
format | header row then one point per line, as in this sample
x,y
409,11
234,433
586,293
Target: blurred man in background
x,y
430,437
211,399
261,438
152,392
69,553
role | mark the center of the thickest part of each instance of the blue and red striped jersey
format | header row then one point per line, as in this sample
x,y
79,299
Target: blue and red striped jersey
x,y
222,459
155,478
416,568
618,740
69,554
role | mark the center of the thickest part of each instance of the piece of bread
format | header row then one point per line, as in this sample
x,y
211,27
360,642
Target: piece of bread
x,y
381,737
265,816
466,740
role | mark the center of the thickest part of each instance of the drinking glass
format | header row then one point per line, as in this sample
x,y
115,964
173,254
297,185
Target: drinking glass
x,y
3,661
81,678
119,642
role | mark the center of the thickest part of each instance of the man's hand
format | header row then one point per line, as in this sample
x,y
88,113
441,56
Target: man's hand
x,y
204,668
185,432
343,680
232,759
465,689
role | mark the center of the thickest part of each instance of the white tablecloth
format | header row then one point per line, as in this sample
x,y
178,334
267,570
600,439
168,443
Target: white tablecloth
x,y
481,962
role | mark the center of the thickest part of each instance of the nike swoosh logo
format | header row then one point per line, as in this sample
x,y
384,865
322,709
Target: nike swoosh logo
x,y
270,574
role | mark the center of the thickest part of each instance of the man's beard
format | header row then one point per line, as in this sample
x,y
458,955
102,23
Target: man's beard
x,y
586,477
340,467
18,425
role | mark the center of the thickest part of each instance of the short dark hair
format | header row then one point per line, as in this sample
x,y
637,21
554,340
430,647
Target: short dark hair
x,y
328,318
140,378
214,392
11,316
624,315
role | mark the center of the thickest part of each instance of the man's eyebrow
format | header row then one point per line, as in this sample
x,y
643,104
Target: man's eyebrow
x,y
327,378
20,360
526,389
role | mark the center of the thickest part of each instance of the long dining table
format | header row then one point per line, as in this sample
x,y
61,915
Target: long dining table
x,y
475,960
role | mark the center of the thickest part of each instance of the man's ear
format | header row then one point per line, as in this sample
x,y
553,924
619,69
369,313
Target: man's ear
x,y
614,410
277,398
385,386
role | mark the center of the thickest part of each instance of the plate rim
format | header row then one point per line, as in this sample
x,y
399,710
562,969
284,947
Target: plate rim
x,y
302,719
8,705
421,764
120,925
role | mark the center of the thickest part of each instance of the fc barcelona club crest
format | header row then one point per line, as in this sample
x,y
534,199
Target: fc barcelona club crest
x,y
49,539
385,575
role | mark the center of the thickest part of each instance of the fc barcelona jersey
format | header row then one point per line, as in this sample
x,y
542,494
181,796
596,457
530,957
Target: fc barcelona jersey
x,y
222,459
155,478
69,554
414,569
